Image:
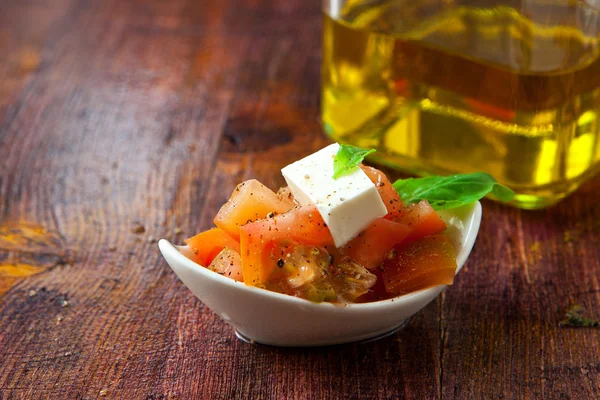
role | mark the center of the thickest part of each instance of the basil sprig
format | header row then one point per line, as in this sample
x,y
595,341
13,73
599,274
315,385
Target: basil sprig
x,y
444,192
347,158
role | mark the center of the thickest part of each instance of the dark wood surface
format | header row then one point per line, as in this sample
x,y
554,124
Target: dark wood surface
x,y
116,114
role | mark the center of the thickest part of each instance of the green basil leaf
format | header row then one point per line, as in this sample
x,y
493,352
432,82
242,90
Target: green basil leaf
x,y
574,318
444,192
347,158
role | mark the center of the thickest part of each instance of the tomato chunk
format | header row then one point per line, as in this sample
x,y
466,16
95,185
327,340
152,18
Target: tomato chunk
x,y
285,194
370,246
418,265
311,272
350,280
250,201
302,224
302,271
228,263
386,190
204,247
421,219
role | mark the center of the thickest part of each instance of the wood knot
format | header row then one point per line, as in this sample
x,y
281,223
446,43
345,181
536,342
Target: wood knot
x,y
28,249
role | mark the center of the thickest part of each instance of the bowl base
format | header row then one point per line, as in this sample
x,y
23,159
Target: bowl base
x,y
392,331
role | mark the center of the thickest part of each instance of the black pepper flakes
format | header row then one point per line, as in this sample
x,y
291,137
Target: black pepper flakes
x,y
280,263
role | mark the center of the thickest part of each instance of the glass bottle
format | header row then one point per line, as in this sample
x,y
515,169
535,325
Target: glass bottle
x,y
511,88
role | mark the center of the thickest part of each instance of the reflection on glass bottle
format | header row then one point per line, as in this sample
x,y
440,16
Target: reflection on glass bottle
x,y
441,88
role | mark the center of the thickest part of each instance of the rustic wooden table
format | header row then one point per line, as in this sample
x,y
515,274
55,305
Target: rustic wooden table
x,y
126,121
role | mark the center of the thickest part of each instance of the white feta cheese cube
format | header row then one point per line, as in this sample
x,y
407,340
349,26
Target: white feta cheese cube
x,y
347,204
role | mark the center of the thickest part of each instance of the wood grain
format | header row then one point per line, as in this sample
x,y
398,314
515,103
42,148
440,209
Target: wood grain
x,y
116,114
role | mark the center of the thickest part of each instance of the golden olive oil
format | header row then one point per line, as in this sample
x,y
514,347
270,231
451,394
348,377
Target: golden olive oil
x,y
459,89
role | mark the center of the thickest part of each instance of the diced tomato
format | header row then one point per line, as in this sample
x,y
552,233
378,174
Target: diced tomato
x,y
301,264
203,247
377,292
311,273
385,188
418,265
350,279
228,263
318,291
285,194
302,271
370,246
421,219
303,224
250,201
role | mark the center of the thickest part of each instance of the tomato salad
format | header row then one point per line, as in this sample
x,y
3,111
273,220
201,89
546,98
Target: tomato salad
x,y
281,241
266,239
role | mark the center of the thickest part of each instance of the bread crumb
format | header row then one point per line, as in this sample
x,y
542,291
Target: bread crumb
x,y
138,229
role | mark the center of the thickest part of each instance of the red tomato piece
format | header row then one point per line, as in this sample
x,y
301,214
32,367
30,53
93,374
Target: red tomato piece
x,y
206,245
418,265
420,218
303,224
228,263
285,194
250,201
377,292
370,246
385,188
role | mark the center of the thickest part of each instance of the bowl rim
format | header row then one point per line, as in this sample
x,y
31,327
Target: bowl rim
x,y
171,252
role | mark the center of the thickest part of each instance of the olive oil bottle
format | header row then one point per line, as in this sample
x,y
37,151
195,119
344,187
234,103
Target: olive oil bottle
x,y
441,88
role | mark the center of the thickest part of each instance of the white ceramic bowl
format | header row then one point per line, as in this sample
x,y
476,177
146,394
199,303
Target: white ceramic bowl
x,y
280,320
